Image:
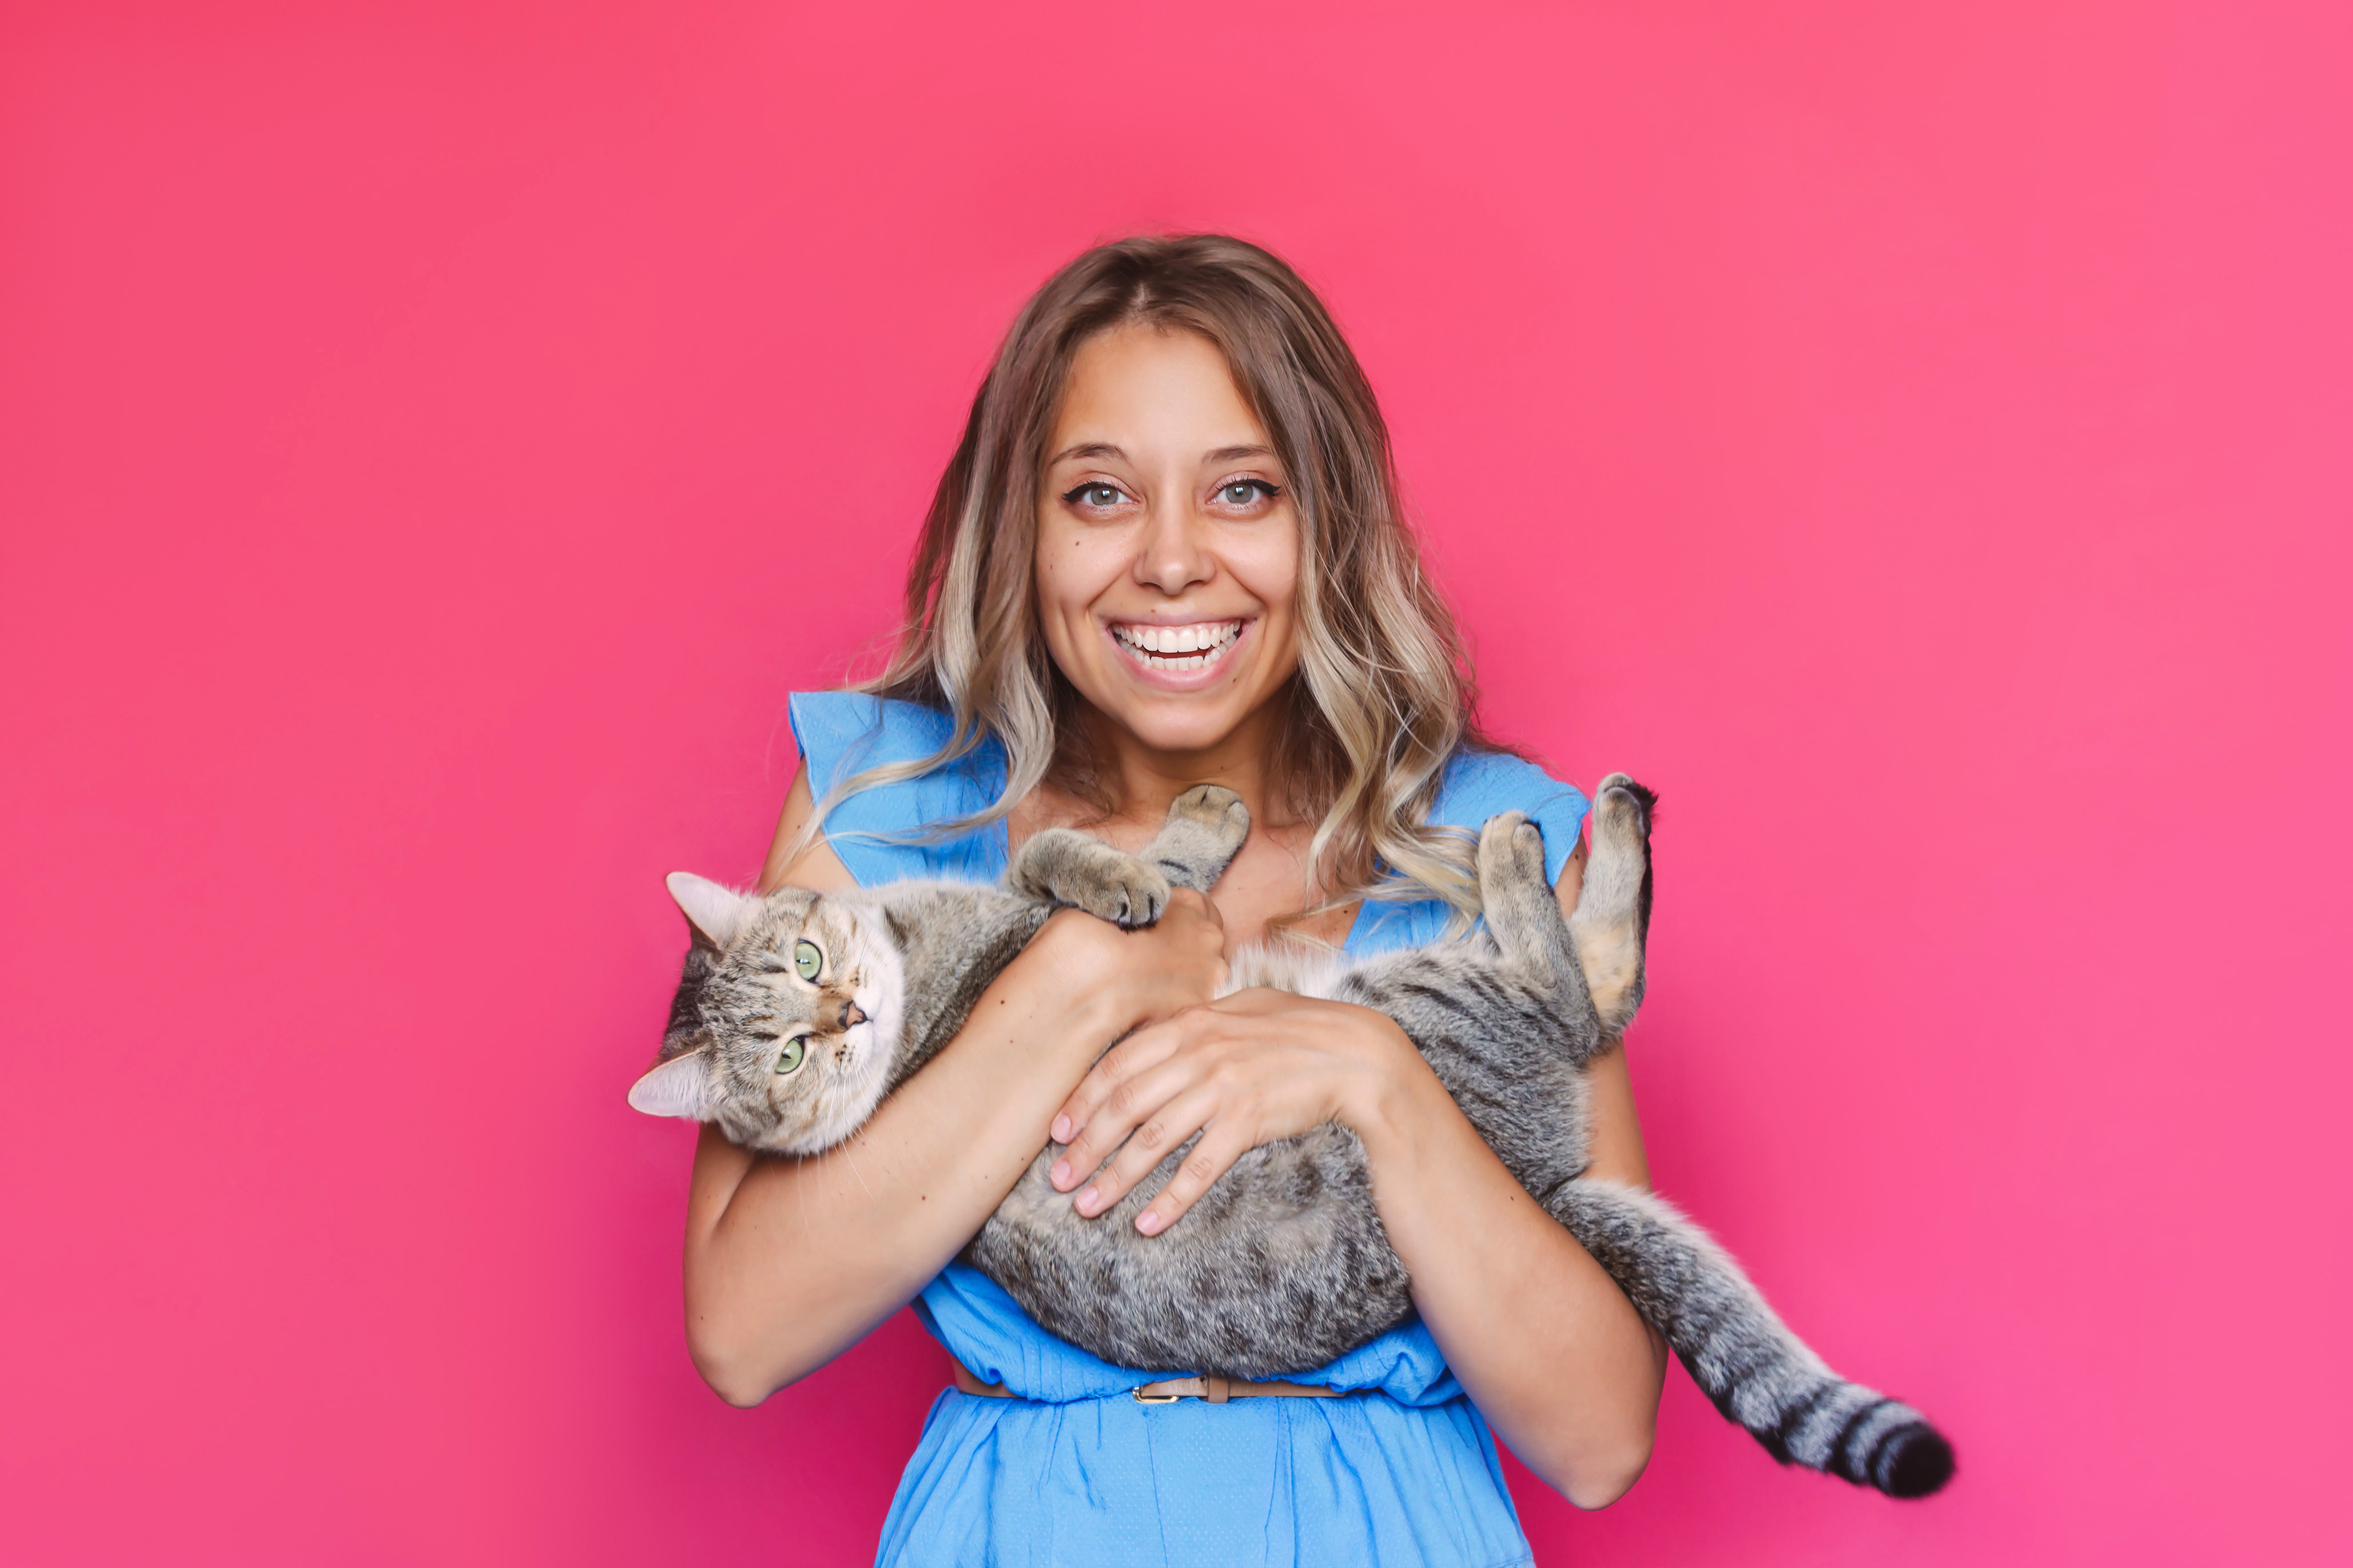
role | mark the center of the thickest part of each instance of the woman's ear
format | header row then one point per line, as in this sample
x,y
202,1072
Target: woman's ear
x,y
679,1087
716,913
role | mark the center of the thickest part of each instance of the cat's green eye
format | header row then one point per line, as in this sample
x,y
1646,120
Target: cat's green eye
x,y
790,1057
807,960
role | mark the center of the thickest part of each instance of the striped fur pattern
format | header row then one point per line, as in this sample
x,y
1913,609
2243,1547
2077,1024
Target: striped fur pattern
x,y
1284,1265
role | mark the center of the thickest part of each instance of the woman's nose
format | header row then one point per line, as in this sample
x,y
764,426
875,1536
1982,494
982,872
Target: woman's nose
x,y
1175,554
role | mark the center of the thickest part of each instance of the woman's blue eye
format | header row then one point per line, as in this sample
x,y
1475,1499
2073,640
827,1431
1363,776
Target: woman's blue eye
x,y
807,960
796,1050
1243,492
1097,495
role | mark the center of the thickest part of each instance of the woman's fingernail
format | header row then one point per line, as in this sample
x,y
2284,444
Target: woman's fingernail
x,y
1060,1131
1060,1175
1085,1202
1149,1222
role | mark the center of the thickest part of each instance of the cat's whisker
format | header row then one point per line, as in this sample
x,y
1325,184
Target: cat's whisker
x,y
850,1158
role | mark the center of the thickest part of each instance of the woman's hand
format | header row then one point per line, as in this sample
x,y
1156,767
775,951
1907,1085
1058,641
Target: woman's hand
x,y
1179,962
1241,1071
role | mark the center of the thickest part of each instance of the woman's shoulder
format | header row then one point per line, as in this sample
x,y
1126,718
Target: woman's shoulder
x,y
1477,785
1480,784
843,733
839,733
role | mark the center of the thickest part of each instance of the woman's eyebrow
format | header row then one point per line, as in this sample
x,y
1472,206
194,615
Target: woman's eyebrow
x,y
1105,449
1088,449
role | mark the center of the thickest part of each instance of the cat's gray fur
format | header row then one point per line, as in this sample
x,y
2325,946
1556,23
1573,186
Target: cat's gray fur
x,y
1283,1265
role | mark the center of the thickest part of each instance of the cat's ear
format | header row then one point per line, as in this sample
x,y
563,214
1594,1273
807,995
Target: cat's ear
x,y
679,1087
717,913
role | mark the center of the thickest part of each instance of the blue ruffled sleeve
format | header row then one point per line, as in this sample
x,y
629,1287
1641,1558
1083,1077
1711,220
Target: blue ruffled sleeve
x,y
1477,786
841,732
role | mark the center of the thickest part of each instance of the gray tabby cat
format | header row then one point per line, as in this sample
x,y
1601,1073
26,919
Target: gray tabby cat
x,y
799,1012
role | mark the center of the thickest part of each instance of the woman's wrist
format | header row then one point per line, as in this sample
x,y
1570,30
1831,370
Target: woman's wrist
x,y
1074,953
1393,1093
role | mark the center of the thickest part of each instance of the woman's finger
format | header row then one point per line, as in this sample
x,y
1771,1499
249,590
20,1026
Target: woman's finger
x,y
1164,1129
1136,1103
1147,1047
1187,907
1220,1146
1109,1079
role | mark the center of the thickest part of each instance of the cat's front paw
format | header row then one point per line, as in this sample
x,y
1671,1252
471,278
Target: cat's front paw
x,y
1067,867
1205,828
1217,811
1123,890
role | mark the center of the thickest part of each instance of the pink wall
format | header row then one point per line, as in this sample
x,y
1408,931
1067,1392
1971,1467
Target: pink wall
x,y
1918,438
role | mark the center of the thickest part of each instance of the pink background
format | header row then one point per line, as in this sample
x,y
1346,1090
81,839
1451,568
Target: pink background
x,y
434,438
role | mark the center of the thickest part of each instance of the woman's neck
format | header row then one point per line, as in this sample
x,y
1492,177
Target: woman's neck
x,y
1141,781
1268,882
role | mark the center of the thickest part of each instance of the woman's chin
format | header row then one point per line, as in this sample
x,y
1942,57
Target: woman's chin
x,y
1181,722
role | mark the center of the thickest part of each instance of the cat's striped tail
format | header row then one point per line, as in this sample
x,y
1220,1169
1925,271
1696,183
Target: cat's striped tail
x,y
1741,1354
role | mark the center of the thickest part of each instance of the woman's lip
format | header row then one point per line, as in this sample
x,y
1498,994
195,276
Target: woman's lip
x,y
1193,679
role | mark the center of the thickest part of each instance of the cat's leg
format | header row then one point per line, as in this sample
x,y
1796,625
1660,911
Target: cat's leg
x,y
1205,829
1613,911
1522,912
1204,832
1741,1354
1063,866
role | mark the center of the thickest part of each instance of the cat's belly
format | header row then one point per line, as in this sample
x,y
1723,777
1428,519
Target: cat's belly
x,y
1282,1267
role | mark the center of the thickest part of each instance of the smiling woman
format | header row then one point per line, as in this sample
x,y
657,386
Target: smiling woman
x,y
1168,553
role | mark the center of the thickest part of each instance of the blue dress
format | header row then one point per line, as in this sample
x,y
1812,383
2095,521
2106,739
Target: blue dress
x,y
1075,1470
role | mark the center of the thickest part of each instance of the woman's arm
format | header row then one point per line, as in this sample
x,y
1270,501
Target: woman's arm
x,y
1545,1344
1548,1346
789,1262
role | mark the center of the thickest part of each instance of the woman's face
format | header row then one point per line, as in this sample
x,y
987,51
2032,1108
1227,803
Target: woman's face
x,y
1167,547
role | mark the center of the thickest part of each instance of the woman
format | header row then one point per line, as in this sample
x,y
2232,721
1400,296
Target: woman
x,y
1169,552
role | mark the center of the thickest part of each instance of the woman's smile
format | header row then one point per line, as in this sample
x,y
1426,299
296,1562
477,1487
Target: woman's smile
x,y
1179,657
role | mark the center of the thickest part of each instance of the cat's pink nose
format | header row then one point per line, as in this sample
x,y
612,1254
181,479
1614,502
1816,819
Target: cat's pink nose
x,y
851,1014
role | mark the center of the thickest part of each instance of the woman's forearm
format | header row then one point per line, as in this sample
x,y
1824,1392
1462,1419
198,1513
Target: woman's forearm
x,y
789,1261
1546,1345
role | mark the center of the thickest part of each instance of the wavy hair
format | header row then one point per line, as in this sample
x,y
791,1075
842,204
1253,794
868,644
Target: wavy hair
x,y
1384,693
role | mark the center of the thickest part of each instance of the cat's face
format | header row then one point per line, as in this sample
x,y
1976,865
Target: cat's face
x,y
800,1017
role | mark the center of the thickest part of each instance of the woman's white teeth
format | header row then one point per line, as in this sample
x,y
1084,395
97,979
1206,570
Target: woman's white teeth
x,y
1168,647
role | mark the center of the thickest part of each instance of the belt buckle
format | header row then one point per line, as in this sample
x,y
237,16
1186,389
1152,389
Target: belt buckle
x,y
1143,1398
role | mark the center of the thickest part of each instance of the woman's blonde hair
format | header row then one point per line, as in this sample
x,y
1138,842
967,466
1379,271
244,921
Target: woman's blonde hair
x,y
1384,693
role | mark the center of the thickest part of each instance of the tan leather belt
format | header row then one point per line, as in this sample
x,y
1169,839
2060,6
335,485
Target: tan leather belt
x,y
1168,1390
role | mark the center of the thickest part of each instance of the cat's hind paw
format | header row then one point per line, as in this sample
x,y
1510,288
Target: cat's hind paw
x,y
1612,922
1511,853
1622,811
